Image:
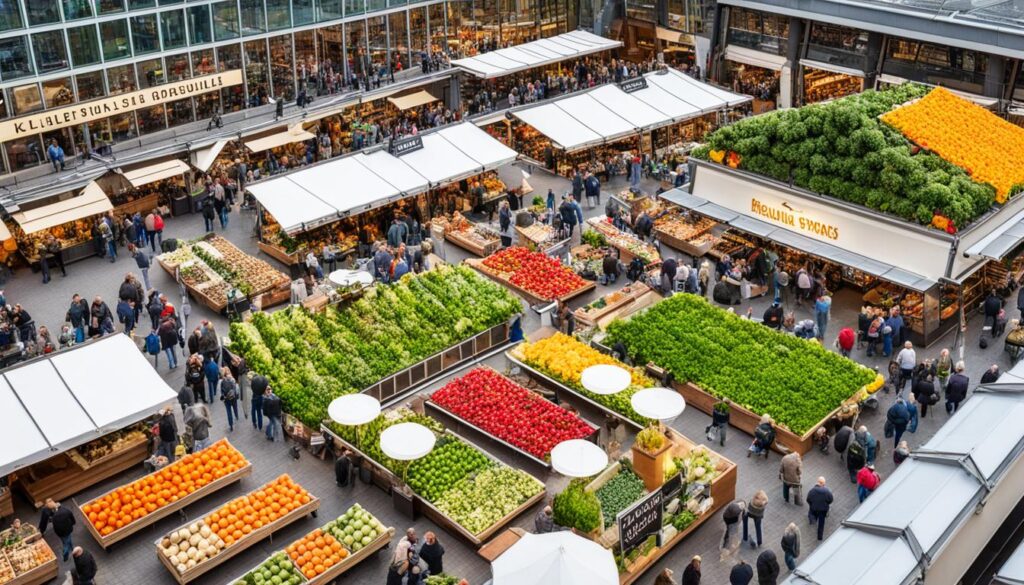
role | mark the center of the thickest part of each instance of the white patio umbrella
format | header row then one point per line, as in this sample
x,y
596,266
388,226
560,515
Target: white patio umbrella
x,y
354,410
578,458
555,558
660,404
605,379
407,442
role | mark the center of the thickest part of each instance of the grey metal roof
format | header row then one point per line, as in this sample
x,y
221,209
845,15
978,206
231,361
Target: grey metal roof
x,y
1003,239
894,536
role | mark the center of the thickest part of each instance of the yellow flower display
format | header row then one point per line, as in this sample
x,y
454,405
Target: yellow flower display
x,y
987,147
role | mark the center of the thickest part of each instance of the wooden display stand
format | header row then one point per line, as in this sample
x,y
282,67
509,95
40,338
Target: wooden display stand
x,y
614,235
638,296
694,250
80,474
279,254
163,512
471,245
6,503
142,205
39,574
239,545
530,298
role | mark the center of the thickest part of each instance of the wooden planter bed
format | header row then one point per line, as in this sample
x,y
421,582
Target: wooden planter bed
x,y
530,298
39,574
696,251
471,245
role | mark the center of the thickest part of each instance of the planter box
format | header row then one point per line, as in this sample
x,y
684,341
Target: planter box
x,y
81,475
531,298
683,245
471,246
651,467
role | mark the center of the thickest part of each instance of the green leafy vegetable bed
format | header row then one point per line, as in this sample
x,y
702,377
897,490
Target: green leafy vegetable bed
x,y
796,381
312,359
619,493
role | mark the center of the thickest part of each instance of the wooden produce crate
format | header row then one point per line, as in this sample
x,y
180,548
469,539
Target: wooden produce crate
x,y
239,545
163,512
530,297
615,236
472,246
350,562
293,259
685,246
81,474
43,573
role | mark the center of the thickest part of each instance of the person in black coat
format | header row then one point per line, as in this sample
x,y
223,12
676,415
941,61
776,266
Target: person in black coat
x,y
85,566
991,375
577,185
168,430
186,398
741,574
691,574
956,389
168,333
767,568
924,393
432,553
842,440
568,214
343,469
63,521
78,316
819,500
773,316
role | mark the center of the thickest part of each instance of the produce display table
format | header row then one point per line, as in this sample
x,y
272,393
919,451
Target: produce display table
x,y
530,298
691,236
627,300
628,245
538,236
500,544
164,511
277,253
78,474
239,545
28,561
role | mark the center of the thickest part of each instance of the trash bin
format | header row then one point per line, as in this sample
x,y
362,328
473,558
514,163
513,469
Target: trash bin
x,y
180,206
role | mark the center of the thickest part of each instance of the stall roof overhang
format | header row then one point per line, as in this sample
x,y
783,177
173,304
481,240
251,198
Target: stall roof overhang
x,y
323,193
607,113
755,58
1004,238
792,239
412,100
154,172
54,404
535,54
289,136
895,535
1012,571
204,158
91,201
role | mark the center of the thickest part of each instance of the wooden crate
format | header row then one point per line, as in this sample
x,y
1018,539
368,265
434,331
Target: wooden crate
x,y
81,474
471,246
530,298
683,245
44,573
354,559
238,546
280,255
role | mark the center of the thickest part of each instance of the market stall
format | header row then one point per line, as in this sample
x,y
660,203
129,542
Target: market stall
x,y
536,277
476,239
826,81
459,486
346,541
197,547
25,558
540,237
68,217
288,147
65,428
617,305
216,272
628,245
686,232
642,523
145,187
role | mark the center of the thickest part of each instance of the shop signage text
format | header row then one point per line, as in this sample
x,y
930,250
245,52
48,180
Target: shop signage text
x,y
402,146
787,215
98,109
635,84
640,521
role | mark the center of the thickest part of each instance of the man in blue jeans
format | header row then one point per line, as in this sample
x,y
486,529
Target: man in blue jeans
x,y
259,386
271,410
63,521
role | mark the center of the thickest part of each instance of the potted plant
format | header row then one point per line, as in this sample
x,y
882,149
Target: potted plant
x,y
650,451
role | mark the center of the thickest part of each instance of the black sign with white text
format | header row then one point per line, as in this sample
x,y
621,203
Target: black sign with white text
x,y
635,84
406,145
640,521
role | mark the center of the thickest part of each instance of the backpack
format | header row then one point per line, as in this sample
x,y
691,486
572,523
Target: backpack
x,y
153,344
856,450
231,393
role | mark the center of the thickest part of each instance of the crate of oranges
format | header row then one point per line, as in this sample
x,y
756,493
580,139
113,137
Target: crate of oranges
x,y
234,527
125,510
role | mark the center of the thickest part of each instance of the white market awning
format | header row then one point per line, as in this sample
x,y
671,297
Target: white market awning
x,y
535,54
289,136
65,400
1004,238
412,100
756,58
323,193
92,201
831,68
203,159
607,113
155,172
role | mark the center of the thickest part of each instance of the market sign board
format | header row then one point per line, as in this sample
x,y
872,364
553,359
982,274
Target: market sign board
x,y
672,487
640,521
635,84
119,104
400,146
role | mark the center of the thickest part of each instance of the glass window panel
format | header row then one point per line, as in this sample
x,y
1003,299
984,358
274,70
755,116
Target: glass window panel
x,y
172,28
399,41
10,15
330,52
86,45
278,14
51,54
24,153
375,5
225,20
26,99
253,17
90,86
109,6
377,40
58,92
14,61
354,7
133,4
151,119
42,12
355,49
121,79
305,53
438,31
180,112
397,2
207,104
114,36
151,73
417,34
202,62
230,57
302,12
177,67
145,38
331,9
282,62
170,2
123,127
199,24
256,72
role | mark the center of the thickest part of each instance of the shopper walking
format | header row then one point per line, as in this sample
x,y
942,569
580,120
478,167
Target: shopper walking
x,y
168,333
790,471
239,371
55,253
741,573
167,430
229,394
764,436
845,341
991,374
209,213
906,359
733,512
271,410
819,500
898,419
755,512
212,373
186,398
943,368
901,453
767,568
85,567
63,521
790,545
259,388
924,393
432,553
867,482
665,577
194,376
142,261
197,419
956,388
868,441
78,315
691,574
822,309
719,422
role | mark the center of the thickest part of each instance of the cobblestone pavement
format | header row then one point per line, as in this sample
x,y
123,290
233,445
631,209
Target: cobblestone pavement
x,y
134,561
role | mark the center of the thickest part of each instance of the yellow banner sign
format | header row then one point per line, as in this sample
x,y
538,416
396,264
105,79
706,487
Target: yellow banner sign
x,y
119,104
787,215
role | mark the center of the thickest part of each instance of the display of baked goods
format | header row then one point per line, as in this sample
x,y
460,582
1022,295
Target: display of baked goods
x,y
683,228
112,442
21,553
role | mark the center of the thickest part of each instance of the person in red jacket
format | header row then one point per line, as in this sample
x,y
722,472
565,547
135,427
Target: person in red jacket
x,y
867,482
845,341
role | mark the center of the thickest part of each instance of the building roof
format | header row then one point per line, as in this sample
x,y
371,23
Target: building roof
x,y
535,54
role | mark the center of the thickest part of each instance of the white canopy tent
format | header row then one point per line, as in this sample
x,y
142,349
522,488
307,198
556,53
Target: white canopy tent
x,y
535,54
58,403
607,113
323,193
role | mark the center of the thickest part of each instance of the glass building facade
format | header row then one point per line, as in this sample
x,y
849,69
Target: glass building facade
x,y
54,53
